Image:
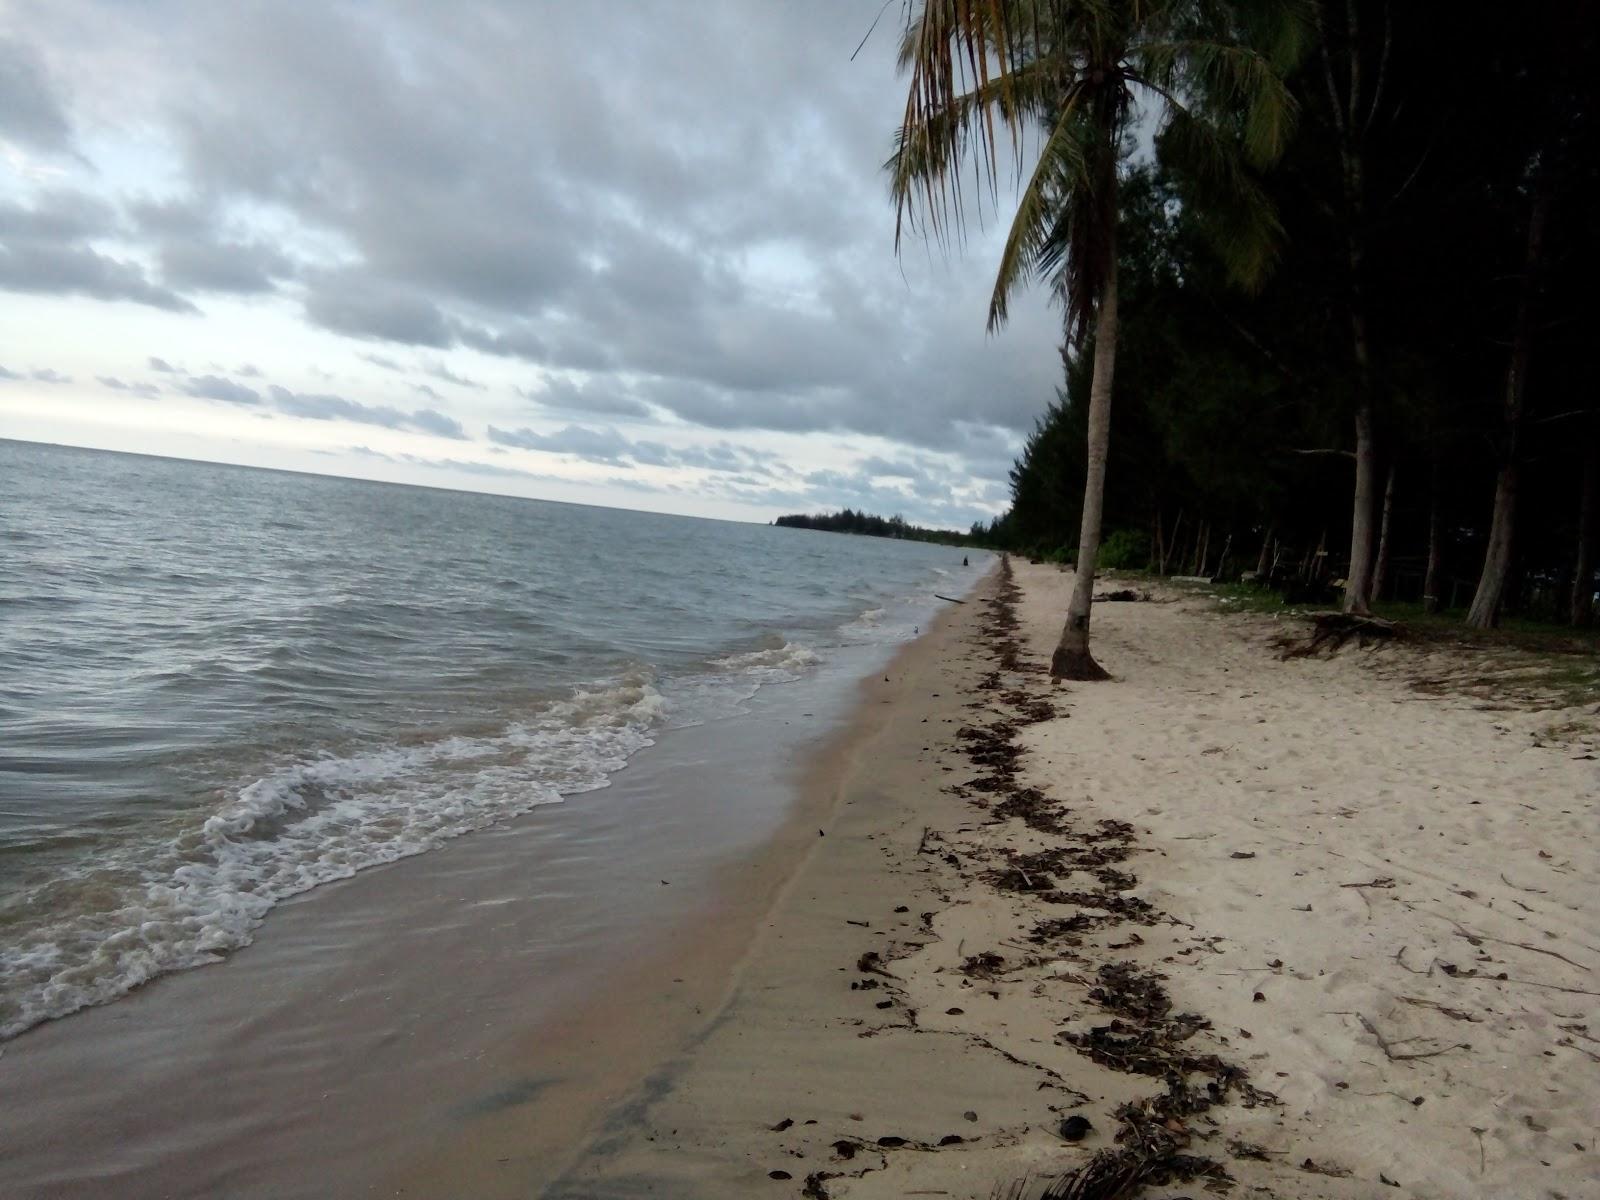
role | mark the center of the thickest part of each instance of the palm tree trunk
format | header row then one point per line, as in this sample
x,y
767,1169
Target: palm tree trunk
x,y
1485,610
1358,580
1583,571
1072,659
1380,569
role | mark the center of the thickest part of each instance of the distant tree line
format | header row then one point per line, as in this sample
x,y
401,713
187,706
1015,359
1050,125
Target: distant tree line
x,y
1406,408
847,520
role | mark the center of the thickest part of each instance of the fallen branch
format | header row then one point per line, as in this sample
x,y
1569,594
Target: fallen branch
x,y
951,599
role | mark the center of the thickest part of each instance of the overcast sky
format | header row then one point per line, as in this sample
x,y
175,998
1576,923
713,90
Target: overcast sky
x,y
638,254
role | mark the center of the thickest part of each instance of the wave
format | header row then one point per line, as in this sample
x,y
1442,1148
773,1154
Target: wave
x,y
190,901
776,664
206,891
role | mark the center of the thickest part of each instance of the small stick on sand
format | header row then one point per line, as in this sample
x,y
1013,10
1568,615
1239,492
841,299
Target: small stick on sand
x,y
1519,887
1394,1055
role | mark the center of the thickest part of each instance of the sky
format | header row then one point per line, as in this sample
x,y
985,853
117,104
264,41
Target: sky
x,y
635,254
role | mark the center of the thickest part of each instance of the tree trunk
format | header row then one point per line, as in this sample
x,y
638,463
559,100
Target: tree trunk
x,y
1485,610
1380,569
1072,659
1358,580
1264,559
1177,527
1583,572
1430,581
1351,128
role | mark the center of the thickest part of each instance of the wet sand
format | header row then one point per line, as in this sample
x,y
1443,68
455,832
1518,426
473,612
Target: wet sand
x,y
483,1003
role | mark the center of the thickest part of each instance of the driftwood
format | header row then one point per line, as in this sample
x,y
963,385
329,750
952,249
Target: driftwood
x,y
1331,630
952,599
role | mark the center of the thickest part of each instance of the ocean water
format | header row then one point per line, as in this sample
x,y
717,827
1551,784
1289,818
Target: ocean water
x,y
222,687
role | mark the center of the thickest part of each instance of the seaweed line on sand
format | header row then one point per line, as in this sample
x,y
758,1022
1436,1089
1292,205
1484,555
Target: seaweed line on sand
x,y
1144,1036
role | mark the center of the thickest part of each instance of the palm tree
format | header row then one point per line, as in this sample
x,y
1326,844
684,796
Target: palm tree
x,y
1067,81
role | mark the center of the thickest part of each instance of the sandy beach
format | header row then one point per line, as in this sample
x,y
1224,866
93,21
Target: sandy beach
x,y
1305,924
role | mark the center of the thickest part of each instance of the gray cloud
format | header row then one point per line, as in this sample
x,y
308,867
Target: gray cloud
x,y
49,375
607,445
432,421
598,445
565,190
6,373
148,390
31,111
561,395
310,406
207,266
348,303
78,270
337,408
45,250
214,387
440,371
162,365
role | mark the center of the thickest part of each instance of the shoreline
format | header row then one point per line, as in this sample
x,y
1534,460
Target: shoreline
x,y
419,1010
1138,930
606,1056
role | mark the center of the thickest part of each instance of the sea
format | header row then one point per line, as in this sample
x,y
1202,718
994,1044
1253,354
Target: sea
x,y
223,687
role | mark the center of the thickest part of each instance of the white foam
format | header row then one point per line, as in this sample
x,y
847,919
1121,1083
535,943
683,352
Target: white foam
x,y
207,891
778,664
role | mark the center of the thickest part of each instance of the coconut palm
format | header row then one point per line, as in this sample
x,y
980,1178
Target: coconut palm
x,y
1062,84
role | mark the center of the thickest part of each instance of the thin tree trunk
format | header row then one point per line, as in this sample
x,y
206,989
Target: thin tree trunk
x,y
1358,580
1380,569
1158,554
1351,127
1172,545
1431,601
1072,659
1264,559
1485,610
1583,571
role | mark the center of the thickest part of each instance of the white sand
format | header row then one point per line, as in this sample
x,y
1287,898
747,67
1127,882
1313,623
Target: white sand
x,y
1471,831
1335,772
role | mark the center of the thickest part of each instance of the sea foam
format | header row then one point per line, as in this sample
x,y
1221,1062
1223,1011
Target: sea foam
x,y
206,891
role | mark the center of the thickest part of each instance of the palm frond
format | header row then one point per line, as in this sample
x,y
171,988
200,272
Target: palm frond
x,y
1062,168
1222,80
1232,209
